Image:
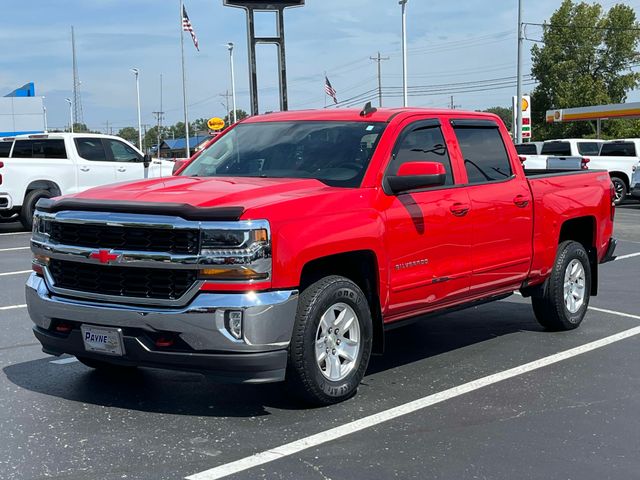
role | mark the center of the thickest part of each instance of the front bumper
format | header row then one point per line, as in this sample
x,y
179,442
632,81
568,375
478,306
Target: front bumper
x,y
202,341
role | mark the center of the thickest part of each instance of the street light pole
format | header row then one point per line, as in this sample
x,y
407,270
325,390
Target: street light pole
x,y
136,72
44,113
518,105
233,82
68,100
405,88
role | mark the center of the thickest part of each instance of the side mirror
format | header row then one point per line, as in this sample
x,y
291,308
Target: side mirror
x,y
416,175
146,160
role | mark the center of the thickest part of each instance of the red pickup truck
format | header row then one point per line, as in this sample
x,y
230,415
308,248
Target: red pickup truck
x,y
286,249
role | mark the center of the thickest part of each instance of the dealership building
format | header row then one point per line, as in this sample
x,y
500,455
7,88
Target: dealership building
x,y
22,112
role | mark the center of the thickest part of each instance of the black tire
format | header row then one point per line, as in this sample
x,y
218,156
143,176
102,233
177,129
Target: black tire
x,y
107,367
29,206
621,190
304,376
549,304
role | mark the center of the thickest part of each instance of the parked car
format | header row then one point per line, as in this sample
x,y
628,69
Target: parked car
x,y
47,165
286,249
565,154
620,158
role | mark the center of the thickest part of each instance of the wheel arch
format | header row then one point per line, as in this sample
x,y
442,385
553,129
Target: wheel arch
x,y
359,266
48,185
622,176
583,231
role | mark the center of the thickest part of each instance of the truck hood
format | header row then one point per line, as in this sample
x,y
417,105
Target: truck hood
x,y
209,192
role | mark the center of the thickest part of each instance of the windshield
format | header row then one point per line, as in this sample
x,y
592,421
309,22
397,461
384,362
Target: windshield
x,y
336,153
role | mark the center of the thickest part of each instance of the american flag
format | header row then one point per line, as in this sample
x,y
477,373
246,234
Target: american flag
x,y
187,27
329,89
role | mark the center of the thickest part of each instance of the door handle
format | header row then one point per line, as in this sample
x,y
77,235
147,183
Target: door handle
x,y
122,169
459,209
84,169
521,201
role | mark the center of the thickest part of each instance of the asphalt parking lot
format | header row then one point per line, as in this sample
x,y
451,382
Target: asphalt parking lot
x,y
481,393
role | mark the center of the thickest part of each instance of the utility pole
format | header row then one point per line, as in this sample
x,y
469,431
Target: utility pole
x,y
405,89
518,137
233,84
158,116
136,72
452,104
226,96
379,59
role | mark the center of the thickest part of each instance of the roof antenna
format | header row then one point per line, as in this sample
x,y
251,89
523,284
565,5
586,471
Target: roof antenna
x,y
368,110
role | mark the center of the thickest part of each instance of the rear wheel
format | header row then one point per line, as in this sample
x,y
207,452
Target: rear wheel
x,y
563,300
620,188
331,342
29,206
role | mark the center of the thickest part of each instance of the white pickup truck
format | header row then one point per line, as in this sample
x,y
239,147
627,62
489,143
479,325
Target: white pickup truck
x,y
621,158
564,154
51,164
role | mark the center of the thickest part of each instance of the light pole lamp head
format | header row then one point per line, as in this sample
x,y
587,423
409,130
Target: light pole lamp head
x,y
230,46
68,100
135,71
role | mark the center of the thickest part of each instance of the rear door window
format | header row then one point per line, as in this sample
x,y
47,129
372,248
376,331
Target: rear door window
x,y
485,156
618,149
589,148
561,149
91,149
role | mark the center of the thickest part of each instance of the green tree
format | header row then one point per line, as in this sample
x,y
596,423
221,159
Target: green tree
x,y
505,113
585,59
240,115
130,134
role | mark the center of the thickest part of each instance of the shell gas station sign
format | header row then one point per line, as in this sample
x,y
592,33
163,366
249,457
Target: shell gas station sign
x,y
525,105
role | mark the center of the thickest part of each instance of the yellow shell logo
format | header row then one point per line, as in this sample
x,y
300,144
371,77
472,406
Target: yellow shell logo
x,y
215,123
525,105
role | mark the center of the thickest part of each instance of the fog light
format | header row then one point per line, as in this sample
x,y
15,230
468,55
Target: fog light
x,y
234,323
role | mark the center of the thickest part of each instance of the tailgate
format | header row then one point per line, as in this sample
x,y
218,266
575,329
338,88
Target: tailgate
x,y
564,163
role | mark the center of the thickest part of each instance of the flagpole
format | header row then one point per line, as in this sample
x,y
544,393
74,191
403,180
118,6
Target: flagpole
x,y
184,84
325,93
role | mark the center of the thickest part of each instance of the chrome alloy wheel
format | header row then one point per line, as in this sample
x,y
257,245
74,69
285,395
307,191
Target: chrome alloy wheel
x,y
574,286
337,342
619,189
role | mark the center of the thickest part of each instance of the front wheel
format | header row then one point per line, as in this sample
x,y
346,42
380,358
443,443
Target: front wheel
x,y
564,299
331,342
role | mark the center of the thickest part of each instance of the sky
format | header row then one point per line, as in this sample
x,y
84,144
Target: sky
x,y
450,43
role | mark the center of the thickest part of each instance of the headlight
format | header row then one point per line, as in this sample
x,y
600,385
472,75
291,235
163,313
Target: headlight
x,y
236,254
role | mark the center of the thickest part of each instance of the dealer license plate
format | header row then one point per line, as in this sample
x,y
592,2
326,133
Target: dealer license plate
x,y
102,340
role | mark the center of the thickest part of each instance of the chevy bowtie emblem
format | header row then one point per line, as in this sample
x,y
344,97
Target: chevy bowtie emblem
x,y
104,256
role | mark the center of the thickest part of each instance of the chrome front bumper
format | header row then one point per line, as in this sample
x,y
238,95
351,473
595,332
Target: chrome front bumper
x,y
268,319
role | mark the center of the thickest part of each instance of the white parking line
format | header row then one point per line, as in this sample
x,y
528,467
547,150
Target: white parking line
x,y
624,257
15,233
64,361
12,307
12,249
19,272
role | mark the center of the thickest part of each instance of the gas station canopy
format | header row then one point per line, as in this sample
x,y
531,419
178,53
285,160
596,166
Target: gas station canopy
x,y
597,112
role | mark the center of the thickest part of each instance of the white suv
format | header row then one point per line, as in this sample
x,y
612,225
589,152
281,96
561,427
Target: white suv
x,y
51,164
